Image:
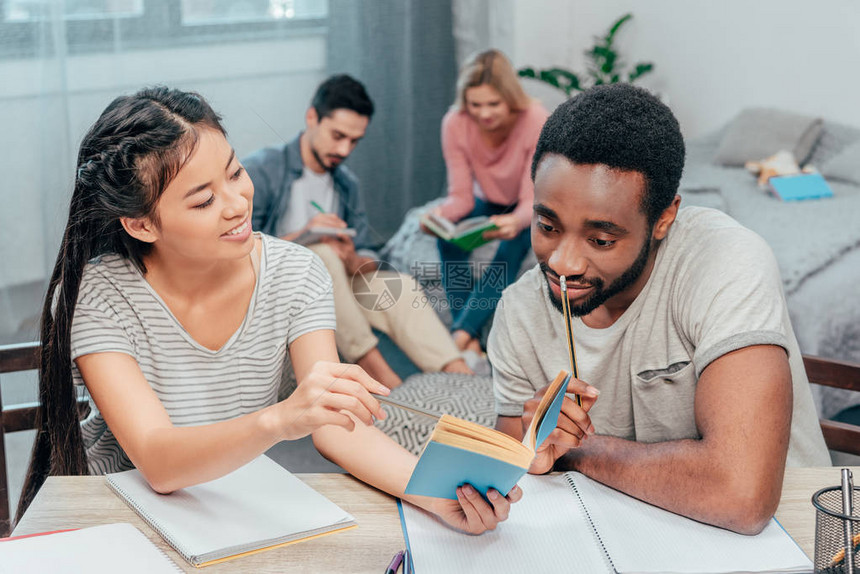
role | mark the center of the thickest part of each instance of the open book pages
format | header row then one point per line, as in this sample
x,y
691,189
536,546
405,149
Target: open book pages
x,y
470,436
547,410
100,549
467,234
441,226
570,523
481,222
258,506
460,452
447,229
316,234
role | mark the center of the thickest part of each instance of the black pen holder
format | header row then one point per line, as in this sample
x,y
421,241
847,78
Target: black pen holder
x,y
831,527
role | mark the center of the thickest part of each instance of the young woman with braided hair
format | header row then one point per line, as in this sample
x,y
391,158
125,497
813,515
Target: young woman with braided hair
x,y
183,325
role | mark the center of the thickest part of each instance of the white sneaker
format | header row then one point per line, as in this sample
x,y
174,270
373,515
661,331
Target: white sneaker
x,y
478,362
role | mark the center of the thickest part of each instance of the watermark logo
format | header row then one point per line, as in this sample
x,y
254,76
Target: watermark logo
x,y
377,286
462,275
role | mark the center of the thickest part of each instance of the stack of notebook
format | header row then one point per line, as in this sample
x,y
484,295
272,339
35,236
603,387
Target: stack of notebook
x,y
257,507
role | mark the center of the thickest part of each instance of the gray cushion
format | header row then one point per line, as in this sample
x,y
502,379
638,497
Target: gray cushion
x,y
757,133
845,166
833,141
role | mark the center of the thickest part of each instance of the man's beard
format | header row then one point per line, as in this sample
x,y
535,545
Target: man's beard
x,y
320,161
600,295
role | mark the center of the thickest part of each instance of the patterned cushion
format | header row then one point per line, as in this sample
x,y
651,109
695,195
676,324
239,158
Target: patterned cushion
x,y
468,397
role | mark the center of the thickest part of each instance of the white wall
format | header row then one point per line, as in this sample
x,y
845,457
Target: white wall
x,y
712,58
261,89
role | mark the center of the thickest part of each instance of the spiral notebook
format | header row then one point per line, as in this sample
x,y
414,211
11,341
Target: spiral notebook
x,y
570,523
96,550
257,507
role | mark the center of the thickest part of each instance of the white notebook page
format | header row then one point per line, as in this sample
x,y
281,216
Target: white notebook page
x,y
100,549
544,533
257,502
643,538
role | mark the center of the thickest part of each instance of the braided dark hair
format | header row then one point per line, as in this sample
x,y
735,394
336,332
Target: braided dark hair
x,y
126,160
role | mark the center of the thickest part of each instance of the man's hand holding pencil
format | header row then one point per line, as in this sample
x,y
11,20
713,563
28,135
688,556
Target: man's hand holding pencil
x,y
574,424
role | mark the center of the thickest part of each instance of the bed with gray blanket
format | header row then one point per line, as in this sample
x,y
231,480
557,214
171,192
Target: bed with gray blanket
x,y
816,242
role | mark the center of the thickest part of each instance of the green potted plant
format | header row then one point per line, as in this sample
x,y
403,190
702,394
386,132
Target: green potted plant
x,y
605,66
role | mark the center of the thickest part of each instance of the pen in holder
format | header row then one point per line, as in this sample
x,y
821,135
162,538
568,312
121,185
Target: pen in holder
x,y
837,528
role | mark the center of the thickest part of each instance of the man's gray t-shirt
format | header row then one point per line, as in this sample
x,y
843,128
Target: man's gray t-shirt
x,y
715,288
311,186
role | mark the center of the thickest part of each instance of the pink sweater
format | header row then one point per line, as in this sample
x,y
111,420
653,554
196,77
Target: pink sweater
x,y
503,173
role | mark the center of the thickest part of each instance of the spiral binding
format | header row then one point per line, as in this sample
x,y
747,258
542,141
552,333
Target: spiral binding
x,y
569,478
152,524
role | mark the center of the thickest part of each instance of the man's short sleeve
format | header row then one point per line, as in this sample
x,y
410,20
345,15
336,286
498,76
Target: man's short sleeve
x,y
511,386
732,297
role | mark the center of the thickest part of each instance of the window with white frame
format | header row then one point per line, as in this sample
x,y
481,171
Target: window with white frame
x,y
29,28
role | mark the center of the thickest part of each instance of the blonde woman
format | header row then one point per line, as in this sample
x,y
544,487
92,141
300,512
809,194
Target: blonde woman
x,y
488,140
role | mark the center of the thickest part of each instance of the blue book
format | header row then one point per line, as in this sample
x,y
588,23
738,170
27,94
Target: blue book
x,y
460,452
801,186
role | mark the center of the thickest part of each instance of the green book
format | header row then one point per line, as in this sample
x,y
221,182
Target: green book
x,y
467,234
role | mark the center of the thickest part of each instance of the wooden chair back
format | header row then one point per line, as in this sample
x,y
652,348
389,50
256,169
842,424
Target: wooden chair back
x,y
14,358
839,436
19,417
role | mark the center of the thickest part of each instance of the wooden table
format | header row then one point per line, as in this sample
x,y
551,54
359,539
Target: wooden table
x,y
795,512
77,502
82,501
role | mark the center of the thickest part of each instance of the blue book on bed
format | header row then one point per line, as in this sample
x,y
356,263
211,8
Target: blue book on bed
x,y
801,186
460,452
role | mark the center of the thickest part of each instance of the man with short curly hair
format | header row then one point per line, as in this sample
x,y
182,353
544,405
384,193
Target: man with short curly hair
x,y
679,323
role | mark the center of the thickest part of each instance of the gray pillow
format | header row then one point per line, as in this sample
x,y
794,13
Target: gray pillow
x,y
845,166
757,133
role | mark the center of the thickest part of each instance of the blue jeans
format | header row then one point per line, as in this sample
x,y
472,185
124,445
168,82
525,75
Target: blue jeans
x,y
472,302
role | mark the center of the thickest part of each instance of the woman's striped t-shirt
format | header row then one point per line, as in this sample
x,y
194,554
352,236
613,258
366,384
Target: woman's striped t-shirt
x,y
118,311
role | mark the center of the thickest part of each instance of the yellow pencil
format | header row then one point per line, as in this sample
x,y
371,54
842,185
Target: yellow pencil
x,y
839,556
571,351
